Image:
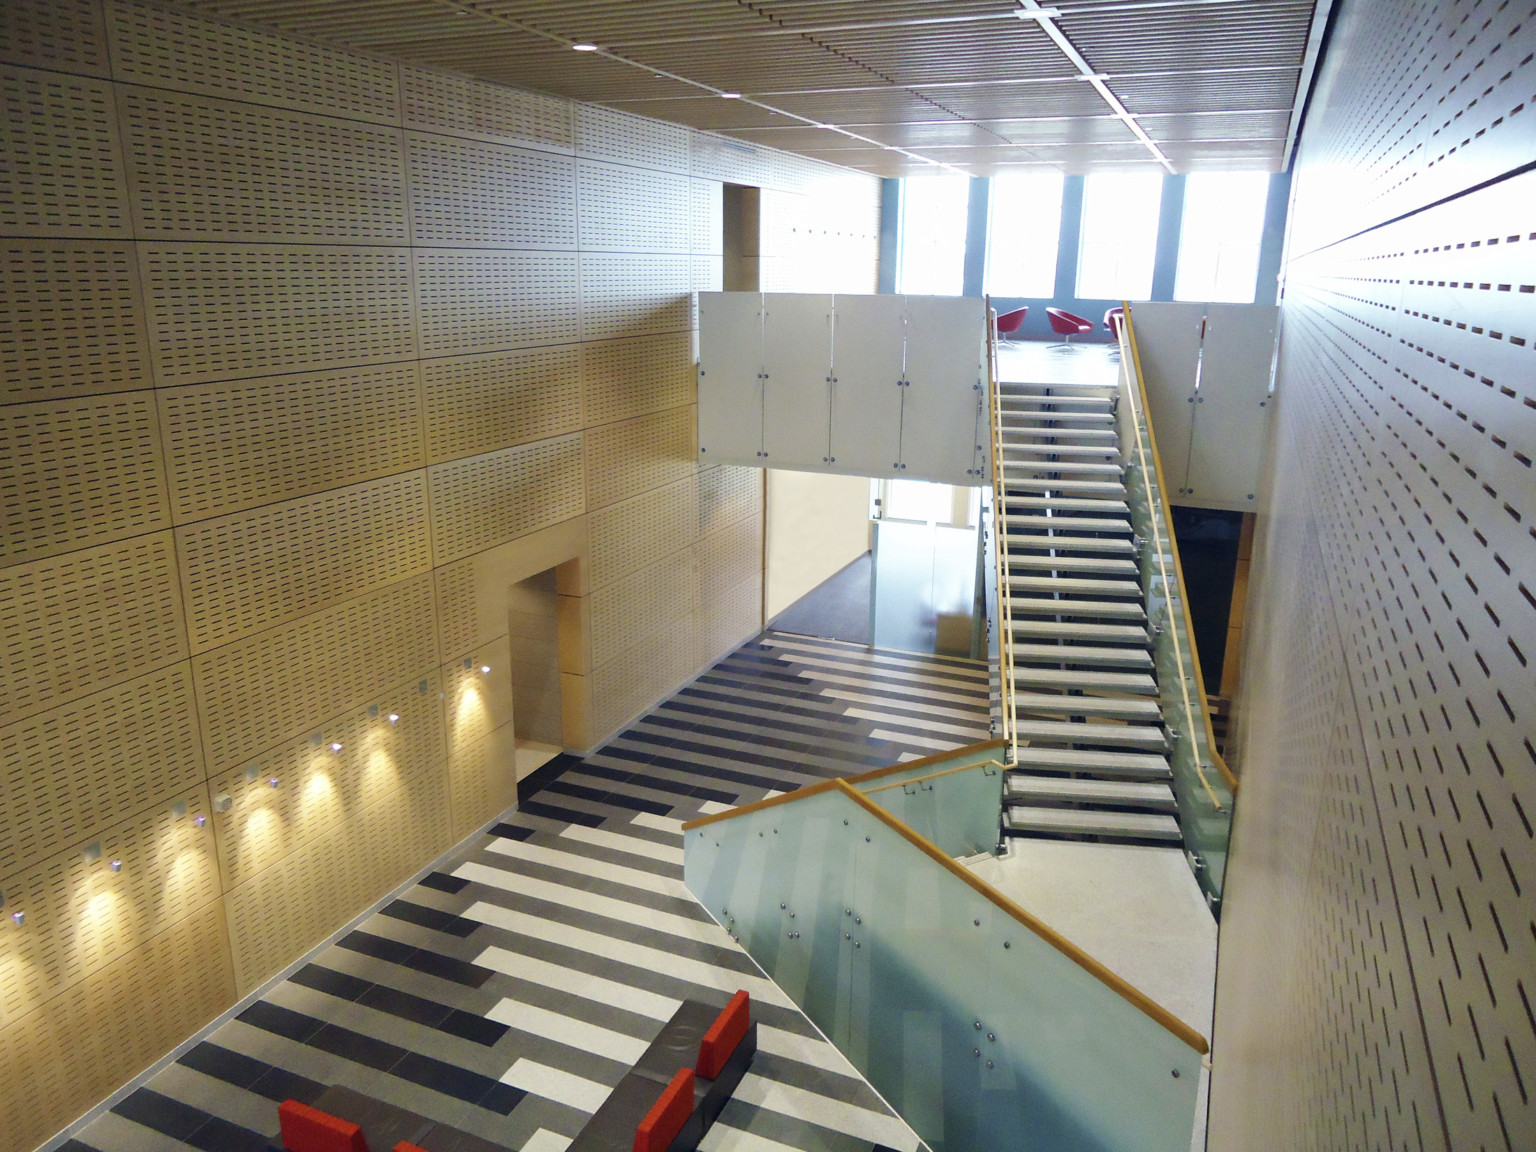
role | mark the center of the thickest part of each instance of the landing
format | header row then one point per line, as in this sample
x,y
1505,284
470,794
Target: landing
x,y
1036,362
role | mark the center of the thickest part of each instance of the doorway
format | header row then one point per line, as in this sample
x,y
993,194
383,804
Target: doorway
x,y
533,633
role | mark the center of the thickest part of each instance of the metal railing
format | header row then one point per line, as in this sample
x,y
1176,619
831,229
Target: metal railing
x,y
1000,546
1203,785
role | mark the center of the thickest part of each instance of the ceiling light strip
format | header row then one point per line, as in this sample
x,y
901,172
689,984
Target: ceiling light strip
x,y
1045,17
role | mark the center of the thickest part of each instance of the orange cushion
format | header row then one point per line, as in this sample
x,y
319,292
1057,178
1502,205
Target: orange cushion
x,y
668,1115
307,1129
723,1036
407,1146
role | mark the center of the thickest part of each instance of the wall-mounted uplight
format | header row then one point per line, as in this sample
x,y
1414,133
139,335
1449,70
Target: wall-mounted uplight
x,y
200,820
251,773
335,745
272,782
584,47
394,717
116,865
485,669
178,808
18,918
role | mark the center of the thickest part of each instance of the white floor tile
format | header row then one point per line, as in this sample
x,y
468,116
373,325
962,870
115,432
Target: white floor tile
x,y
710,807
634,845
829,1113
553,1084
546,1141
660,823
586,866
569,1031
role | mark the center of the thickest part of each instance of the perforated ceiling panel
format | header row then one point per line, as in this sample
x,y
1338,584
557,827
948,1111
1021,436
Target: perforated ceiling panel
x,y
1403,540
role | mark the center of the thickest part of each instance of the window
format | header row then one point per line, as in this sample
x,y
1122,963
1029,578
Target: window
x,y
1219,240
1119,245
1023,234
933,210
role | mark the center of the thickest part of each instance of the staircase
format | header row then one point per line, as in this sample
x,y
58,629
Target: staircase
x,y
1091,749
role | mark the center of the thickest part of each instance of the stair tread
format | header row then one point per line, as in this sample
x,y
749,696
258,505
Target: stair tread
x,y
1067,678
1114,633
1069,503
1080,523
1137,793
1143,825
1110,488
1013,434
1062,467
1101,609
1118,735
1121,707
1071,586
1060,449
1060,543
1089,760
1105,564
1051,654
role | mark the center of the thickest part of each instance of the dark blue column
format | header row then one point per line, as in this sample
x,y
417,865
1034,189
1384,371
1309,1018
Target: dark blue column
x,y
1272,245
890,233
975,237
1170,218
1071,238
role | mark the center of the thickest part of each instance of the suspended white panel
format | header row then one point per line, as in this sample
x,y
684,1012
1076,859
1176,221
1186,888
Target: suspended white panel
x,y
1168,341
730,377
867,350
942,434
797,371
1231,407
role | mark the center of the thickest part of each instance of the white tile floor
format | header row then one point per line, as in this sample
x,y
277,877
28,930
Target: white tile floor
x,y
1138,911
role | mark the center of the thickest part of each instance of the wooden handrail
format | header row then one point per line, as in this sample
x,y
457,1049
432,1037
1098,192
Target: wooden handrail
x,y
935,775
826,785
1128,340
1055,939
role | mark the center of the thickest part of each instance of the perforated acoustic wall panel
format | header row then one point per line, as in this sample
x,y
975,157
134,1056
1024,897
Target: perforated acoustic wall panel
x,y
1378,970
307,357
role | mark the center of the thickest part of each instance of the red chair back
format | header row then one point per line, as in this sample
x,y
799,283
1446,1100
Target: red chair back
x,y
1008,322
1064,323
1113,319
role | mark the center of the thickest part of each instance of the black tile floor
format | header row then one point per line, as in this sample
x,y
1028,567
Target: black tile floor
x,y
507,993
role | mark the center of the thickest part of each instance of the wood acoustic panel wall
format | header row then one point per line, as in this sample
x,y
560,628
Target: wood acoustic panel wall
x,y
305,358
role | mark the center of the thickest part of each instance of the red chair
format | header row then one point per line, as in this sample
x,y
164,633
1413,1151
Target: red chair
x,y
1066,325
1010,322
1113,319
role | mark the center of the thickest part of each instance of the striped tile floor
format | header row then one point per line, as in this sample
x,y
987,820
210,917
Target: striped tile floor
x,y
507,993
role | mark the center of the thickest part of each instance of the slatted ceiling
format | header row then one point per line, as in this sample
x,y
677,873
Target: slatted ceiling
x,y
708,112
1208,92
70,320
1020,101
79,472
1012,50
925,134
66,1055
71,771
236,445
220,170
757,67
264,823
1056,130
61,35
604,22
1150,37
253,569
866,105
281,682
164,48
460,106
78,623
480,501
1236,155
473,301
630,295
1217,126
477,404
81,915
219,312
293,905
63,174
631,209
551,68
468,194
